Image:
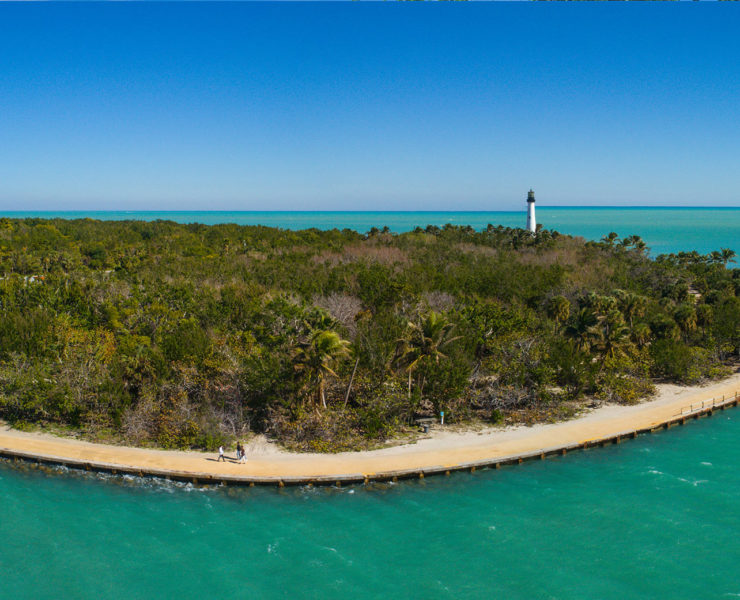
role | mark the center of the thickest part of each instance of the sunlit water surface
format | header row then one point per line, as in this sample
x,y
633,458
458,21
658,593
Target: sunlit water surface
x,y
656,517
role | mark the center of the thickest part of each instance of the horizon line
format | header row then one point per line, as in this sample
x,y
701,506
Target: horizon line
x,y
286,211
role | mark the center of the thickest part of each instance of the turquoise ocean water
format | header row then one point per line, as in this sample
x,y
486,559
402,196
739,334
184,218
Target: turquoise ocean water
x,y
656,517
664,229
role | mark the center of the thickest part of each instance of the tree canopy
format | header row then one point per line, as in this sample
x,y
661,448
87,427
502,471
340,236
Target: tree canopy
x,y
191,335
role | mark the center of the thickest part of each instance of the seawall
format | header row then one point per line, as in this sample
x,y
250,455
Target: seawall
x,y
493,450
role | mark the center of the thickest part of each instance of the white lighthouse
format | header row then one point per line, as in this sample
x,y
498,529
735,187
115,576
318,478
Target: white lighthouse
x,y
531,221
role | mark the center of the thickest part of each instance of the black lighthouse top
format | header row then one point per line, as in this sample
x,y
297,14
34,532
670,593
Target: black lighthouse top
x,y
530,196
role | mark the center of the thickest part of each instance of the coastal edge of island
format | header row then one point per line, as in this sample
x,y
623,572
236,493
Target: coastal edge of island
x,y
441,452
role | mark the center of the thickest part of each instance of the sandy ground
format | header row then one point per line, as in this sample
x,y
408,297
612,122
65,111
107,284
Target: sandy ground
x,y
440,448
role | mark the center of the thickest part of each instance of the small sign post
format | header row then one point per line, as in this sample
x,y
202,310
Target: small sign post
x,y
442,417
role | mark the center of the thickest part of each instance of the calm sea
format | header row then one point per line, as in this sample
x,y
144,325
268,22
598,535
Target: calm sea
x,y
653,518
664,229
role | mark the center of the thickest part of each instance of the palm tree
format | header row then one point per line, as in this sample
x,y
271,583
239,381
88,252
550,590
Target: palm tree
x,y
316,358
723,256
727,255
610,239
611,336
685,316
640,245
664,327
517,238
319,319
632,241
581,328
704,316
631,305
558,309
424,342
625,242
600,304
641,334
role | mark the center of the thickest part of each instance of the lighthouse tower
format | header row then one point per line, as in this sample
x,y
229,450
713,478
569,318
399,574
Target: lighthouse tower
x,y
531,221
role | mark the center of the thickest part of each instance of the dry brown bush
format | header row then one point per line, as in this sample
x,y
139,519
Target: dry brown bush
x,y
438,301
563,256
476,249
137,422
387,255
343,307
367,251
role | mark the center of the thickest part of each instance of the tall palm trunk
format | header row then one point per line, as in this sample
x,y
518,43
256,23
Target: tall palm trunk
x,y
351,379
322,394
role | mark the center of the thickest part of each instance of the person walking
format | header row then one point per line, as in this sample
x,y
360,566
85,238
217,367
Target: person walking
x,y
221,456
243,457
239,451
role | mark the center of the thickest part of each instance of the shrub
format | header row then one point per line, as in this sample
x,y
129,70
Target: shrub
x,y
686,364
624,389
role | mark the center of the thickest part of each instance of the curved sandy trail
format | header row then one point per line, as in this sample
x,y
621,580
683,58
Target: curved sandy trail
x,y
441,449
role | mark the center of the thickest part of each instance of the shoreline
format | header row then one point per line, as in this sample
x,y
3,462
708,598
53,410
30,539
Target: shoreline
x,y
441,452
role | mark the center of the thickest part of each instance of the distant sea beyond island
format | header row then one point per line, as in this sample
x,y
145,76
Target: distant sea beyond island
x,y
665,230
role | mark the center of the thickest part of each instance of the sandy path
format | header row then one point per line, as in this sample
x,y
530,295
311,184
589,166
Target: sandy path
x,y
442,448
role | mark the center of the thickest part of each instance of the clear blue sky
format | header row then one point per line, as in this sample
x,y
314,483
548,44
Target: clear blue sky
x,y
367,106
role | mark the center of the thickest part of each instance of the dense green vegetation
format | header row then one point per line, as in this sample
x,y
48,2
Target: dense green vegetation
x,y
192,335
